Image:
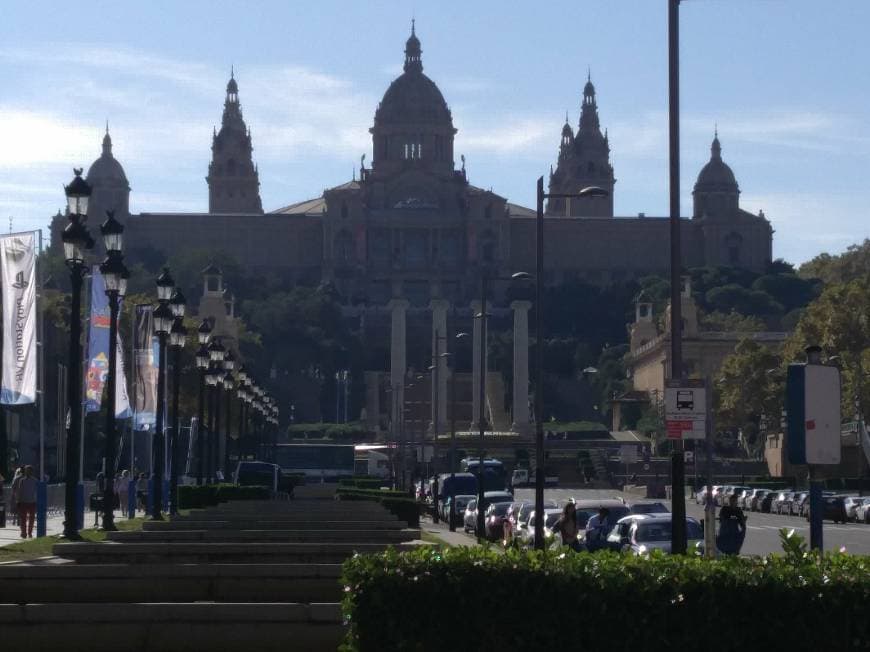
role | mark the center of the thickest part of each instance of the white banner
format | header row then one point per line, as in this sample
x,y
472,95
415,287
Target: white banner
x,y
18,269
122,400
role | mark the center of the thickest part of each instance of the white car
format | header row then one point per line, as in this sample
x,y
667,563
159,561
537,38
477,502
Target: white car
x,y
469,520
527,533
639,534
862,511
851,503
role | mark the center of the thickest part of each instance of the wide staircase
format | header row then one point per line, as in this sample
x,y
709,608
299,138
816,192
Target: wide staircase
x,y
252,575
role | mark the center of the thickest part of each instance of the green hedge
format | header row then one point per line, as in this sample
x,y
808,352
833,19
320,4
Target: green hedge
x,y
480,599
396,502
193,496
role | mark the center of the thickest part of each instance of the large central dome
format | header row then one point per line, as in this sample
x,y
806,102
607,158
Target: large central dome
x,y
413,126
413,98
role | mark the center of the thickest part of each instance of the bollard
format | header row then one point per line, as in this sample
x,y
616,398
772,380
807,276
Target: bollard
x,y
41,509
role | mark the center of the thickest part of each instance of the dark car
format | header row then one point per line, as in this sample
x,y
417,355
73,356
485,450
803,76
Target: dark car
x,y
763,504
833,509
495,515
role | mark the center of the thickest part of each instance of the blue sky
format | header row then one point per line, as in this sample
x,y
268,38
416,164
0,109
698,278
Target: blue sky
x,y
786,81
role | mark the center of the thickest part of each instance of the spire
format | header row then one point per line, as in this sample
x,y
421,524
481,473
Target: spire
x,y
716,148
107,142
413,52
589,108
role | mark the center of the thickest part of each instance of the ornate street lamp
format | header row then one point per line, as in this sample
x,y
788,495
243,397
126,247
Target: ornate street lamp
x,y
212,376
177,338
217,353
229,386
115,279
163,319
76,241
203,334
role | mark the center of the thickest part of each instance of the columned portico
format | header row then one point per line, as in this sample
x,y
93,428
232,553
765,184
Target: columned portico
x,y
521,366
439,345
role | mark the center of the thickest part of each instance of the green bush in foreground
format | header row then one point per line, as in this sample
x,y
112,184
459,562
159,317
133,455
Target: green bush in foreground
x,y
209,495
479,599
396,502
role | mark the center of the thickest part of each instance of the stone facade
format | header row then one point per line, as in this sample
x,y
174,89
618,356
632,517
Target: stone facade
x,y
412,225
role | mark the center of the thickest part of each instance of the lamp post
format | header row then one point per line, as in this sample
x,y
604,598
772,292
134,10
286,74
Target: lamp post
x,y
202,358
484,286
177,337
76,240
242,394
163,318
217,352
591,191
115,276
451,517
211,380
228,385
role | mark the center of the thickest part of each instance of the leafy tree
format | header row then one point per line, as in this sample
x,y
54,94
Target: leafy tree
x,y
787,289
746,390
848,266
734,298
731,322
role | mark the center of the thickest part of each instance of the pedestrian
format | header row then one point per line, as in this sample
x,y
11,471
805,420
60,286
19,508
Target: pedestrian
x,y
25,498
13,498
567,527
141,491
732,528
121,484
596,530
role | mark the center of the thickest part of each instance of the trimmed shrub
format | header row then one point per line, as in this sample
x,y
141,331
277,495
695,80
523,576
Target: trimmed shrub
x,y
363,483
396,502
209,495
478,599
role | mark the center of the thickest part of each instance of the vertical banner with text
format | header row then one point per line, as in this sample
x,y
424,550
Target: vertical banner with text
x,y
18,263
98,353
145,354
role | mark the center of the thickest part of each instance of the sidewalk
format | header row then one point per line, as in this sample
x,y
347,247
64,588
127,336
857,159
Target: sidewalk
x,y
12,533
440,530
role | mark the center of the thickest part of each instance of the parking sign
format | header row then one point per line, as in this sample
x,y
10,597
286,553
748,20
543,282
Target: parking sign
x,y
686,409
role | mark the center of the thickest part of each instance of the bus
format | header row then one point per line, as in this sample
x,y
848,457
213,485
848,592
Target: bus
x,y
316,461
494,478
372,460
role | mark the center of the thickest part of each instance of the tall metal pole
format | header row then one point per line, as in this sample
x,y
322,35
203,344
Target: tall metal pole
x,y
217,427
709,505
678,498
539,371
209,454
74,405
481,531
227,471
452,515
436,363
201,431
175,462
41,502
159,453
110,453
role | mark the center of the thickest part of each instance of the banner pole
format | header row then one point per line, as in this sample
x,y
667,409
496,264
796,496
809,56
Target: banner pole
x,y
41,487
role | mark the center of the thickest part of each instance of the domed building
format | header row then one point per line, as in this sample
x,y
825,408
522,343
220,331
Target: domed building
x,y
407,239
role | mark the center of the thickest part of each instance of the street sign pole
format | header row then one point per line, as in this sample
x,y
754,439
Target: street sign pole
x,y
709,507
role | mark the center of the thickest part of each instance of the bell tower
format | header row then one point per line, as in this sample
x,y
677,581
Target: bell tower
x,y
233,179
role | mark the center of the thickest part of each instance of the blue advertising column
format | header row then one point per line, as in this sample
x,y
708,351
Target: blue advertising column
x,y
41,509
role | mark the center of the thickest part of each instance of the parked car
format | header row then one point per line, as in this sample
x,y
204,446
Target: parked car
x,y
833,509
781,502
862,512
551,515
797,503
461,504
765,503
743,493
639,534
723,493
469,519
755,497
494,519
490,497
587,508
522,518
851,504
701,494
649,508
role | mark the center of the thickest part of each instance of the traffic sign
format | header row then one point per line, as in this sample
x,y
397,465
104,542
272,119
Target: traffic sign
x,y
685,409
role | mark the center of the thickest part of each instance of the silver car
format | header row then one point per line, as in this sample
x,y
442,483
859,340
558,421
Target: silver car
x,y
639,534
469,520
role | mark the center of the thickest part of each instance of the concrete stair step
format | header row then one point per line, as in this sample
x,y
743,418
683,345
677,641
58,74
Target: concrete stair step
x,y
192,627
227,553
346,514
277,524
325,536
25,583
